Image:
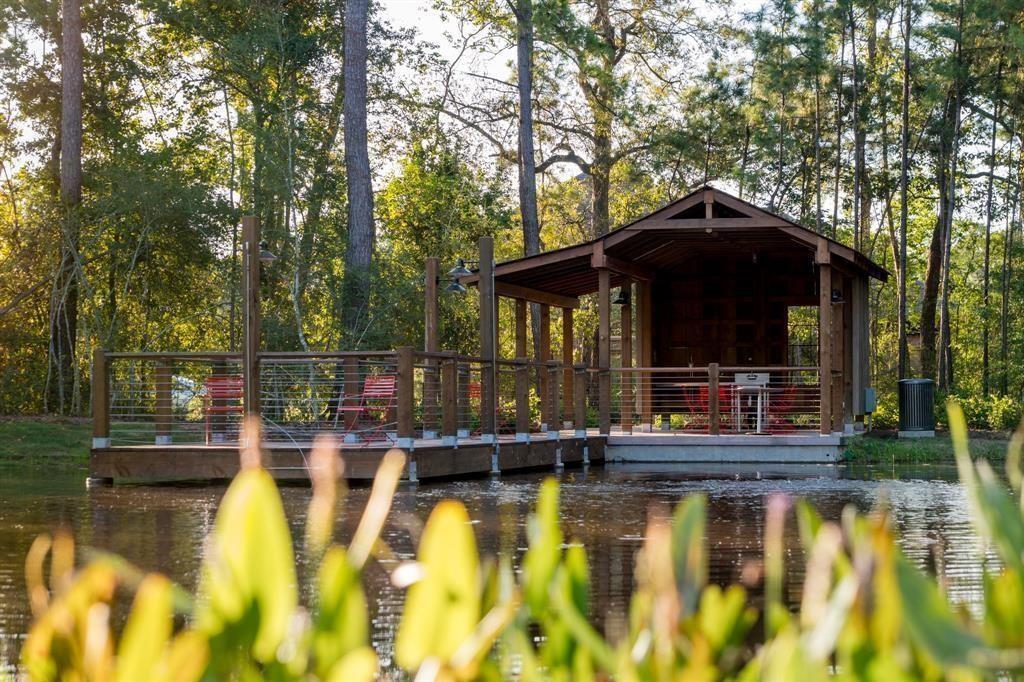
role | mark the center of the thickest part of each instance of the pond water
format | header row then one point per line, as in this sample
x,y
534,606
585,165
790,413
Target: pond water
x,y
163,527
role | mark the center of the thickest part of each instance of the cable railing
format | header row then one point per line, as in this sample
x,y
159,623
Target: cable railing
x,y
385,398
716,400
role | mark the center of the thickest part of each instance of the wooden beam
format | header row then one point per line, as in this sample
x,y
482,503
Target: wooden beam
x,y
604,350
404,396
431,378
530,262
626,341
449,399
645,346
568,384
825,344
487,347
709,200
164,406
535,295
714,409
706,223
100,401
543,356
520,328
622,267
251,289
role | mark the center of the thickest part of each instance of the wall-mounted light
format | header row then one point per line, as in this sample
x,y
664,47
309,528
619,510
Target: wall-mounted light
x,y
622,298
455,274
837,296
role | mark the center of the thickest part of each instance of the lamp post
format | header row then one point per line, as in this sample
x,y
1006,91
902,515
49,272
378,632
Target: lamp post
x,y
255,253
488,330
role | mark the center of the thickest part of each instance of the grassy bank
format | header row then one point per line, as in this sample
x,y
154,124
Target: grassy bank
x,y
885,448
44,439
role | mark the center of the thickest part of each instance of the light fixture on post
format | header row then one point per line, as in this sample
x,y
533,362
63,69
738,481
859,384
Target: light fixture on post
x,y
623,297
266,257
455,274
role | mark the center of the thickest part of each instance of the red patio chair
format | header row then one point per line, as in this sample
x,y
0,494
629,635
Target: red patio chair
x,y
222,395
501,423
375,404
781,407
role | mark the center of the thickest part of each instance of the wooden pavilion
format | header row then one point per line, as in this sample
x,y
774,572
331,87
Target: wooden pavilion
x,y
736,335
719,286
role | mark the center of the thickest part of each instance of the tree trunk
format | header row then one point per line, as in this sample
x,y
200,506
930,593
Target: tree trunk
x,y
527,162
904,355
986,275
932,276
361,233
64,303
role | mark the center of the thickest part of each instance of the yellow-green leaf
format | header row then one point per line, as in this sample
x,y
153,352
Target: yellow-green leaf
x,y
443,608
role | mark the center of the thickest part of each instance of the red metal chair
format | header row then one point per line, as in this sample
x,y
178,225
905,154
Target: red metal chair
x,y
376,402
222,395
501,422
698,403
780,410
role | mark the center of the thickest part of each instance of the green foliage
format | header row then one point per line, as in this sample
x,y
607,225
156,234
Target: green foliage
x,y
865,613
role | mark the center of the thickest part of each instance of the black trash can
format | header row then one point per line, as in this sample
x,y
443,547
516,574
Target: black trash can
x,y
917,408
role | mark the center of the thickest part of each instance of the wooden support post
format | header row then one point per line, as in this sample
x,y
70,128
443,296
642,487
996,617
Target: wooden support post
x,y
251,344
604,351
644,342
579,414
100,400
838,356
626,341
462,399
714,409
404,398
520,327
544,355
522,400
350,396
164,415
825,341
488,369
449,401
431,380
555,417
568,384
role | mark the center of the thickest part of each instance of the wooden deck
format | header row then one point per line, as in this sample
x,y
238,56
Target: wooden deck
x,y
427,459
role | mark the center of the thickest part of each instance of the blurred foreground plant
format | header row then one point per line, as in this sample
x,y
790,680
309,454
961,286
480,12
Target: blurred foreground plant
x,y
865,611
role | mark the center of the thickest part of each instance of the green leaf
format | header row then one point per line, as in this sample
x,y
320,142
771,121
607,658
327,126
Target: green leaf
x,y
358,665
340,624
929,621
443,608
544,554
146,633
248,583
689,559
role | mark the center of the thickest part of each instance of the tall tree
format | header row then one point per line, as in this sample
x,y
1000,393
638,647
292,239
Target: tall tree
x,y
64,298
908,10
361,232
523,10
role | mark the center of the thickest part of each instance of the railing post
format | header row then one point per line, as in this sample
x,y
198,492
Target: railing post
x,y
554,413
714,409
350,396
579,417
462,399
604,379
449,401
100,400
164,407
405,397
522,400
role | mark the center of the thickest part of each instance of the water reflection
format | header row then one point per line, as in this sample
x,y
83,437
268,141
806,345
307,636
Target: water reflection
x,y
163,528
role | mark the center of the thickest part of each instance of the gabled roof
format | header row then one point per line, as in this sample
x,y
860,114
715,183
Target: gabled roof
x,y
705,221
